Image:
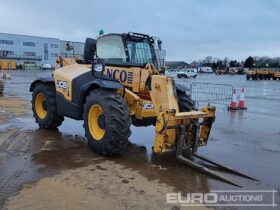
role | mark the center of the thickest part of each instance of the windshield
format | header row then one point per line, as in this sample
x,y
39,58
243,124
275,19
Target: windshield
x,y
112,50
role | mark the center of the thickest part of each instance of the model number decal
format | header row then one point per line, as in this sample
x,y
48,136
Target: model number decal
x,y
61,84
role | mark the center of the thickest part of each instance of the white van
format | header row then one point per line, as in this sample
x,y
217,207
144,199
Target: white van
x,y
187,73
206,69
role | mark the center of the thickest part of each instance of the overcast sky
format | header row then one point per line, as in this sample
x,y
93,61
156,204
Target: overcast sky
x,y
190,29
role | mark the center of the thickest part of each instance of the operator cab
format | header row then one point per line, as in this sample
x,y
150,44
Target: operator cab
x,y
126,50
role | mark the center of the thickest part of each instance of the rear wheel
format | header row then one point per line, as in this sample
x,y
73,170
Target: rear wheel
x,y
107,122
44,107
185,102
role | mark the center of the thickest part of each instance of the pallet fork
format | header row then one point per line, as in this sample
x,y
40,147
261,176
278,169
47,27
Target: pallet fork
x,y
189,162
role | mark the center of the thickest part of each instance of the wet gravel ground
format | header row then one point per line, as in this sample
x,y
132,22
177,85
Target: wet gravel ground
x,y
245,140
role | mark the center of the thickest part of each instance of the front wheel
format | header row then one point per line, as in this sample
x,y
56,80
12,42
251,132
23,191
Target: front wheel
x,y
107,122
44,107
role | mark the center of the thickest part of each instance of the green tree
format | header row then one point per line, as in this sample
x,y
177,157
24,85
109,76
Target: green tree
x,y
249,62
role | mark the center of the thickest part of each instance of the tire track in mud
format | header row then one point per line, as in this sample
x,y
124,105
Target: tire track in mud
x,y
21,151
9,139
13,150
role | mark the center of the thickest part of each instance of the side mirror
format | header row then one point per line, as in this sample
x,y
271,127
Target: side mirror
x,y
90,48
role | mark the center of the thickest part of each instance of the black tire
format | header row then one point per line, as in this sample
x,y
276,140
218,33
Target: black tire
x,y
185,102
52,120
116,122
1,87
178,76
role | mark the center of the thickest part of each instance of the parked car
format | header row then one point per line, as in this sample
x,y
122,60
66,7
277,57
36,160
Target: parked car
x,y
46,66
187,73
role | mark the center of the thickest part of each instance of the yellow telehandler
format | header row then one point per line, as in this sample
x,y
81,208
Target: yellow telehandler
x,y
120,82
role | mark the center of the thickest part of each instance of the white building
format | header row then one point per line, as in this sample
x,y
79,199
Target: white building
x,y
24,49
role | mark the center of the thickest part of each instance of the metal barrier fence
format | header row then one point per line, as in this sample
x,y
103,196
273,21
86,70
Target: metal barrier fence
x,y
211,93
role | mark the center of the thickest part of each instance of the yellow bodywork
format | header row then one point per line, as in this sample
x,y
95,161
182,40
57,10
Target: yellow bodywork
x,y
158,99
263,73
164,97
8,64
277,74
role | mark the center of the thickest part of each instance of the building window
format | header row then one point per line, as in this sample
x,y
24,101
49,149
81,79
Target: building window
x,y
10,42
5,53
54,45
30,53
29,44
46,52
54,55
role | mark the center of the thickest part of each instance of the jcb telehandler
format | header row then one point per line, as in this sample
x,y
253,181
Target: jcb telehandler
x,y
118,83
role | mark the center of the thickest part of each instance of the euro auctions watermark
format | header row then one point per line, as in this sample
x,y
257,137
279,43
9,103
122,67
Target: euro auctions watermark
x,y
224,198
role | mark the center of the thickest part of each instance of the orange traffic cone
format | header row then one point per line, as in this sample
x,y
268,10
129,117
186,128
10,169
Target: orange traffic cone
x,y
241,102
233,101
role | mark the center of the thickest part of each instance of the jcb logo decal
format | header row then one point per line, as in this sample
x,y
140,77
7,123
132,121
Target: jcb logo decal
x,y
121,75
61,84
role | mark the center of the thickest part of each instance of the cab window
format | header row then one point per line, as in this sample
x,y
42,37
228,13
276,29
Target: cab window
x,y
139,52
111,49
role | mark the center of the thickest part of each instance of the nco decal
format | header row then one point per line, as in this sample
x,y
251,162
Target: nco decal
x,y
61,84
121,75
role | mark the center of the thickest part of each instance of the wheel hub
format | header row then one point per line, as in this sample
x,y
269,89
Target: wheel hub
x,y
96,122
41,105
44,105
101,121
